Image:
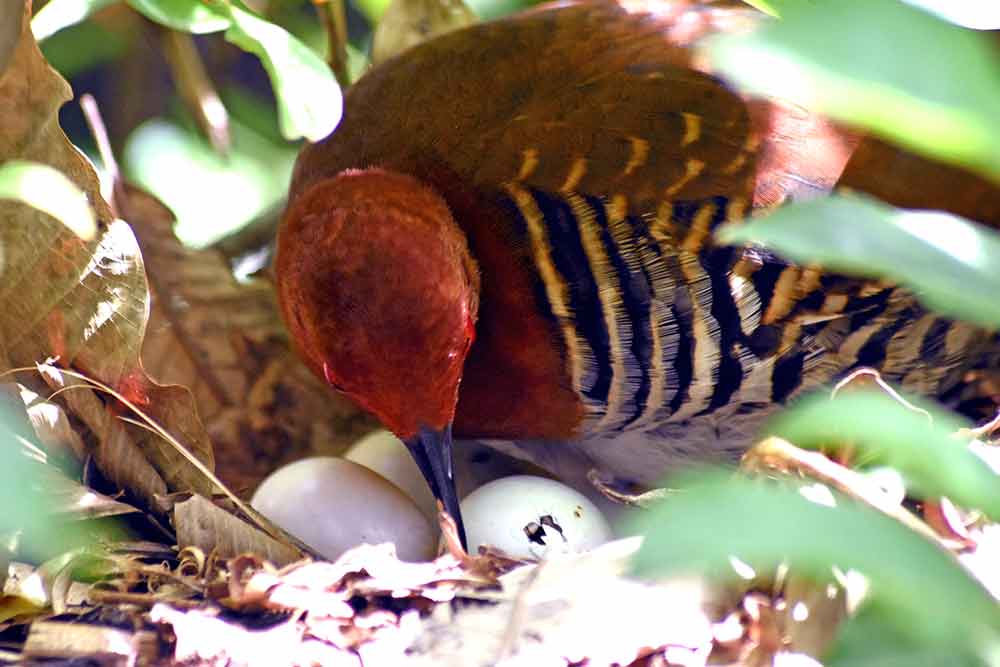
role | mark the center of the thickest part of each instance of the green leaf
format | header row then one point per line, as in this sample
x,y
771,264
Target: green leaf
x,y
196,16
211,195
881,65
715,516
925,451
30,518
49,191
870,640
309,99
949,262
59,14
82,47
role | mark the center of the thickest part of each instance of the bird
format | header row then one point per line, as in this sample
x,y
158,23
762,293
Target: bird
x,y
509,238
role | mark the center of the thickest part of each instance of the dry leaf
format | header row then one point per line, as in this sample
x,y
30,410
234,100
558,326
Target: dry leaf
x,y
200,523
224,339
83,304
116,454
52,639
569,610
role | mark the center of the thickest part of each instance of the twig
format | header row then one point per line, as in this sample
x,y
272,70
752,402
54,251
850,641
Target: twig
x,y
112,189
334,20
776,454
196,88
100,596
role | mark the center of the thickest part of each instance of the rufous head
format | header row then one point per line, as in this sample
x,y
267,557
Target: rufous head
x,y
380,294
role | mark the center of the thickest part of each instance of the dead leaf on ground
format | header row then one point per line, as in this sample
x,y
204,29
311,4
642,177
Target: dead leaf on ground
x,y
116,454
224,339
200,523
54,639
569,610
82,304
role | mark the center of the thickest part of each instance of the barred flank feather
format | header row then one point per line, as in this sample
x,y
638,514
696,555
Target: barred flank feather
x,y
660,326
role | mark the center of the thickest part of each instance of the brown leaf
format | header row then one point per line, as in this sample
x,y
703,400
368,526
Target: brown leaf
x,y
53,639
116,454
83,304
200,523
224,339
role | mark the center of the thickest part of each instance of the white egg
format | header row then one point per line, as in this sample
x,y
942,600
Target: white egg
x,y
386,454
532,517
333,505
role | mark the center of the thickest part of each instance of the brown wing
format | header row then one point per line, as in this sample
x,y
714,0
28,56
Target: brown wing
x,y
589,96
589,82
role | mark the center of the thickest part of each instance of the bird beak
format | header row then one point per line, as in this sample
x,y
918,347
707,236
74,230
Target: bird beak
x,y
432,451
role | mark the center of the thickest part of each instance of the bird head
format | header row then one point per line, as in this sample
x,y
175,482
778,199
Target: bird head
x,y
380,294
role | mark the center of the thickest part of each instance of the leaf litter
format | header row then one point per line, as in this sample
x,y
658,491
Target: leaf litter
x,y
219,590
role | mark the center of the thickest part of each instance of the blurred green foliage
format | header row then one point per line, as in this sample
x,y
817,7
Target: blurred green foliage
x,y
31,527
49,191
82,47
715,515
881,65
920,444
949,262
210,194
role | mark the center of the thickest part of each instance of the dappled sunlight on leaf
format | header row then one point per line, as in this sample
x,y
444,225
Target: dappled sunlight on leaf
x,y
59,14
211,195
969,13
189,15
49,191
309,100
